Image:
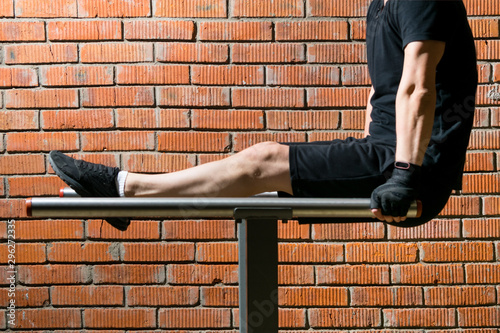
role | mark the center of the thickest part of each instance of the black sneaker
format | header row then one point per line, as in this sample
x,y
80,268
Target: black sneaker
x,y
88,180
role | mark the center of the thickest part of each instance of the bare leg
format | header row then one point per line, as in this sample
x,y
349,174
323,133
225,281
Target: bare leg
x,y
260,168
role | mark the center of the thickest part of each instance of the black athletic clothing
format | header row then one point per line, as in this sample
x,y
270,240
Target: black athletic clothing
x,y
355,167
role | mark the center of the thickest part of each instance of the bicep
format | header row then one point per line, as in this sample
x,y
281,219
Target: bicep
x,y
420,62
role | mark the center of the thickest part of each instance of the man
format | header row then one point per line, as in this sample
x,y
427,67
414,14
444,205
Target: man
x,y
422,64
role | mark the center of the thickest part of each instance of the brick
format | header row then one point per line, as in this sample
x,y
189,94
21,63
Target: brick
x,y
353,119
355,75
41,99
193,142
479,317
87,295
40,53
235,31
164,30
24,253
116,52
481,118
456,251
460,296
194,318
46,8
34,186
381,252
386,296
77,119
227,119
192,52
310,253
303,75
495,117
201,274
158,252
7,8
484,73
311,30
484,27
481,228
352,275
292,230
337,53
26,297
12,208
482,273
119,318
344,318
54,274
486,95
434,229
313,297
329,136
268,97
83,252
428,274
277,8
156,163
18,120
117,8
129,274
302,120
228,75
48,319
245,140
336,8
45,141
419,317
481,183
118,96
337,97
482,7
52,230
162,296
199,230
152,118
207,158
268,53
341,231
117,141
219,296
84,30
358,29
76,76
11,31
2,187
461,206
491,205
477,162
294,275
191,8
193,96
151,75
141,230
217,252
18,77
488,51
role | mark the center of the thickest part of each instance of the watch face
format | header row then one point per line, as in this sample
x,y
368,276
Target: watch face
x,y
402,165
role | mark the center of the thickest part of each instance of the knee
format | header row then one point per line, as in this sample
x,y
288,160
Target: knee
x,y
261,156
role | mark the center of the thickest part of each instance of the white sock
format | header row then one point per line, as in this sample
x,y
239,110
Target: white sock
x,y
120,182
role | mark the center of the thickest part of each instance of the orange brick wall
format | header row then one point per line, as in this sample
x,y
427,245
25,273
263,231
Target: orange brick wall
x,y
163,85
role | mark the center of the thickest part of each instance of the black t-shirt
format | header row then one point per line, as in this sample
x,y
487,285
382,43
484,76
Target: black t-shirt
x,y
389,29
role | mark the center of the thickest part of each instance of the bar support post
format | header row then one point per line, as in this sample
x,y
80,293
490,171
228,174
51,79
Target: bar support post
x,y
258,268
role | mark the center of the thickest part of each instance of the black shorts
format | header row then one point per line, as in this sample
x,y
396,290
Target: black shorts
x,y
353,168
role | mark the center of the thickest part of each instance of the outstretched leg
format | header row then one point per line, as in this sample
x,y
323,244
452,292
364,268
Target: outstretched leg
x,y
261,168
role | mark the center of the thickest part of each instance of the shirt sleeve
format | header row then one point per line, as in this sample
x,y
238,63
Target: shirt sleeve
x,y
426,19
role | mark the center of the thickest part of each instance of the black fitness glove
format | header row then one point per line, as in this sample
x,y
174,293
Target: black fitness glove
x,y
396,195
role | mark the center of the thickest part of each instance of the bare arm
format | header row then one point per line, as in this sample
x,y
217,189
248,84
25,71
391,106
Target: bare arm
x,y
368,114
416,100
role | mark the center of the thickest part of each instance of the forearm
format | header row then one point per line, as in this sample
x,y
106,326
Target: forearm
x,y
368,113
414,121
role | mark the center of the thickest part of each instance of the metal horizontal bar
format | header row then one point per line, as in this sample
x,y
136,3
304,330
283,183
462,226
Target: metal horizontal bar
x,y
197,207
